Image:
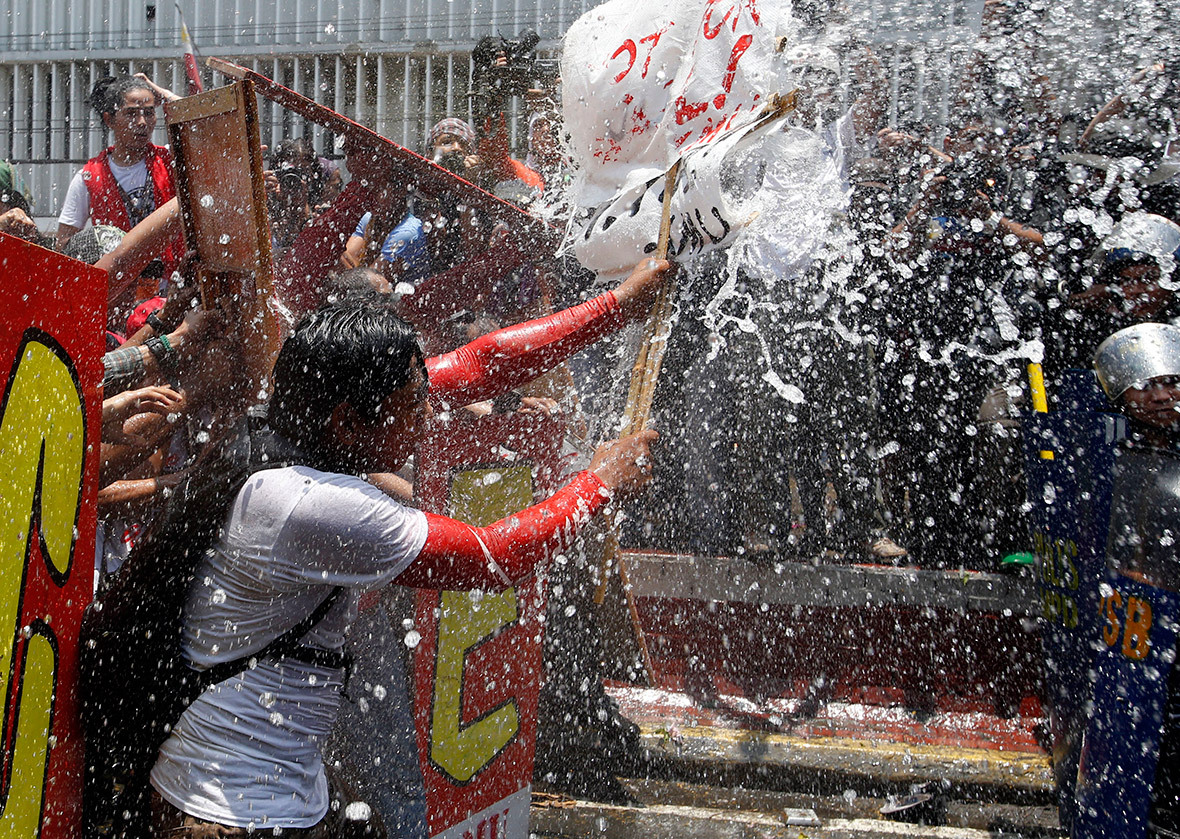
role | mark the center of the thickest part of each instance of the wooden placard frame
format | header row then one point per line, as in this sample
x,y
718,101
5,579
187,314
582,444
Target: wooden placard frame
x,y
217,148
219,166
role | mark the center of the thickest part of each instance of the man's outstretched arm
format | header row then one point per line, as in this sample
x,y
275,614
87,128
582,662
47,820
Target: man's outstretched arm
x,y
507,358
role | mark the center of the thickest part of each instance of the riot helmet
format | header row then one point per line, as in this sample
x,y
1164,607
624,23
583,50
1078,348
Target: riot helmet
x,y
1139,238
1133,356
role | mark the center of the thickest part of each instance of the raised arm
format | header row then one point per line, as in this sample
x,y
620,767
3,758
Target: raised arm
x,y
502,360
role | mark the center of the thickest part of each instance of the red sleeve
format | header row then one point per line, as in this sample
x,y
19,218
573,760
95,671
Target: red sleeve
x,y
461,556
499,361
317,248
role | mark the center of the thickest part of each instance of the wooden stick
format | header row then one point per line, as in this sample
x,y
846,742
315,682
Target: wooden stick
x,y
426,175
637,412
646,372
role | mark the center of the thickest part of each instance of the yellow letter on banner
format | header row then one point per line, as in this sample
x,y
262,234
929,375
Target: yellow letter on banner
x,y
479,497
461,750
42,449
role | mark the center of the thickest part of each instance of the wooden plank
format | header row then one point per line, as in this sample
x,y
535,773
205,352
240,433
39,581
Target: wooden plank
x,y
219,180
430,179
222,194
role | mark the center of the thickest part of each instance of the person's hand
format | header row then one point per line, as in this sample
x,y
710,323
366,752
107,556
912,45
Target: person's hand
x,y
891,140
198,326
163,94
181,292
636,293
16,222
978,206
538,405
121,407
625,465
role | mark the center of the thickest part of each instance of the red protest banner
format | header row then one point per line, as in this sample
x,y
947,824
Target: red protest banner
x,y
477,669
50,417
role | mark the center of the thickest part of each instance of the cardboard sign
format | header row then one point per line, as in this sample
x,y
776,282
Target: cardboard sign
x,y
642,84
704,214
51,344
645,86
477,669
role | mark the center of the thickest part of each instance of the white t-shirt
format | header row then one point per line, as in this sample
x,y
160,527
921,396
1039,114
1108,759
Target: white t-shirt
x,y
247,751
133,179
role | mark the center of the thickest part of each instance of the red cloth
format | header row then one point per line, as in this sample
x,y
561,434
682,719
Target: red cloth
x,y
317,248
513,169
461,556
106,202
507,358
139,315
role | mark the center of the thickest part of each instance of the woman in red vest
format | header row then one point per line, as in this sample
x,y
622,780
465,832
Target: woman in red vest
x,y
131,178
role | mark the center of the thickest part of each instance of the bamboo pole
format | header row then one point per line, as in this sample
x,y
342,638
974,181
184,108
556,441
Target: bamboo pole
x,y
646,372
644,375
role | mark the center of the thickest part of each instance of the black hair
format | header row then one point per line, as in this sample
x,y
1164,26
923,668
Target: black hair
x,y
108,93
1113,266
354,284
291,149
352,351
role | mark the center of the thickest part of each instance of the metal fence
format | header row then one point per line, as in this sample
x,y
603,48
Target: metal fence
x,y
400,65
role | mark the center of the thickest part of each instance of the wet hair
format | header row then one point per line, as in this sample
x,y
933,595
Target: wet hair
x,y
355,284
108,93
352,351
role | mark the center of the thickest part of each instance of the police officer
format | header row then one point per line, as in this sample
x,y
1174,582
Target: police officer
x,y
1139,368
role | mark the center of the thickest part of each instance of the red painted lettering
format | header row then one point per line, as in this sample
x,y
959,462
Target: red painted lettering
x,y
739,49
735,9
628,46
686,111
654,38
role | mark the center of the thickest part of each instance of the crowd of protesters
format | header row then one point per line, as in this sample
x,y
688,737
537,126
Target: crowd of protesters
x,y
974,247
1011,236
176,384
1024,238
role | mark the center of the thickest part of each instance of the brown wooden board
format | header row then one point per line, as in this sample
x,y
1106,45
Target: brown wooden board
x,y
219,179
428,177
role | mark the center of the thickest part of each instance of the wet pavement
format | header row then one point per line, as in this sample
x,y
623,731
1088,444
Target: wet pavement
x,y
754,750
678,809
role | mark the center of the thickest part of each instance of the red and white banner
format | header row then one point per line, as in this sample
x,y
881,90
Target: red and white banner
x,y
642,86
477,668
51,344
